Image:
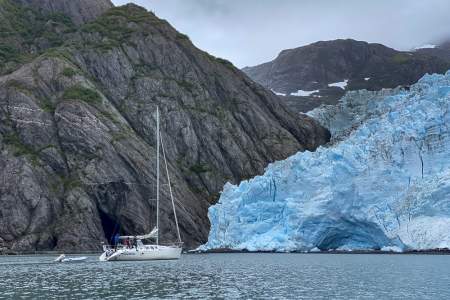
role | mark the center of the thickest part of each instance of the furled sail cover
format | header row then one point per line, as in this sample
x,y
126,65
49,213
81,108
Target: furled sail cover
x,y
151,235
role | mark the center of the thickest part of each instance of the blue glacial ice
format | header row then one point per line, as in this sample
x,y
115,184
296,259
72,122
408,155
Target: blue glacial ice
x,y
382,183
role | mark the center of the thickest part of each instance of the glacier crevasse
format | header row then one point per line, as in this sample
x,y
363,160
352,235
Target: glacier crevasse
x,y
382,183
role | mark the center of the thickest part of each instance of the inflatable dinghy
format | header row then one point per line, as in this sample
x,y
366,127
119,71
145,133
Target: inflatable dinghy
x,y
63,259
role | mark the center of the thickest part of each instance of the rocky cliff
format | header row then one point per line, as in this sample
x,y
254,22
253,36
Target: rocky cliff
x,y
77,111
322,72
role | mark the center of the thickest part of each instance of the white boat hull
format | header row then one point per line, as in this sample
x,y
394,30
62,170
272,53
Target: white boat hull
x,y
142,253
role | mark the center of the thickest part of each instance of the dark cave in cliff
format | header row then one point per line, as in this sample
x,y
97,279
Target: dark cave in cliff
x,y
110,226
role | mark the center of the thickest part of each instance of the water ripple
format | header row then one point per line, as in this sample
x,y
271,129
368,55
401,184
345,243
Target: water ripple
x,y
230,276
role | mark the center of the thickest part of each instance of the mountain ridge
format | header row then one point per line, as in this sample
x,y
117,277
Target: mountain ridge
x,y
313,69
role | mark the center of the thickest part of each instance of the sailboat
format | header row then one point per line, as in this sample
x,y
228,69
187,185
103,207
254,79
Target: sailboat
x,y
132,248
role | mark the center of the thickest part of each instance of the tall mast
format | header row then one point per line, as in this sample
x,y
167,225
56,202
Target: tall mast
x,y
170,191
157,174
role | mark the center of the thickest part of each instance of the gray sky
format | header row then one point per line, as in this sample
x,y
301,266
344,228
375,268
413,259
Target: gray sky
x,y
249,32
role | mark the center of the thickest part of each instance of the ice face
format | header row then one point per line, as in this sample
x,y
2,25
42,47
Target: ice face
x,y
382,183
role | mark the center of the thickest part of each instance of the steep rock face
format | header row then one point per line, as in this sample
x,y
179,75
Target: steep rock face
x,y
80,11
353,65
384,182
78,129
54,145
220,123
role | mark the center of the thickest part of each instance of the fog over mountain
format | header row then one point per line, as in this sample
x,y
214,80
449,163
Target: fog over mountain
x,y
254,31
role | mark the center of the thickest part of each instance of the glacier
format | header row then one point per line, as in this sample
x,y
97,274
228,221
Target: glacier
x,y
382,183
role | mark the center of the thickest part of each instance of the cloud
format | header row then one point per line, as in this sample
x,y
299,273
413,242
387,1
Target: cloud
x,y
249,32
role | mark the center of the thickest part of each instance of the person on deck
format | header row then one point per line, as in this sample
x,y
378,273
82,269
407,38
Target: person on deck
x,y
116,240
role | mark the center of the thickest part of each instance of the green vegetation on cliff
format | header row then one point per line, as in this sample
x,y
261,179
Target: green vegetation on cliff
x,y
79,92
25,33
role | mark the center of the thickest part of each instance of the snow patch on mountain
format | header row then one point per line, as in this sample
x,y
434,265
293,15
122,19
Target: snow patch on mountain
x,y
383,182
426,46
342,84
278,93
302,93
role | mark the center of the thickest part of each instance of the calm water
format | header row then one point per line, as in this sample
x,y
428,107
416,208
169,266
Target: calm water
x,y
230,276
